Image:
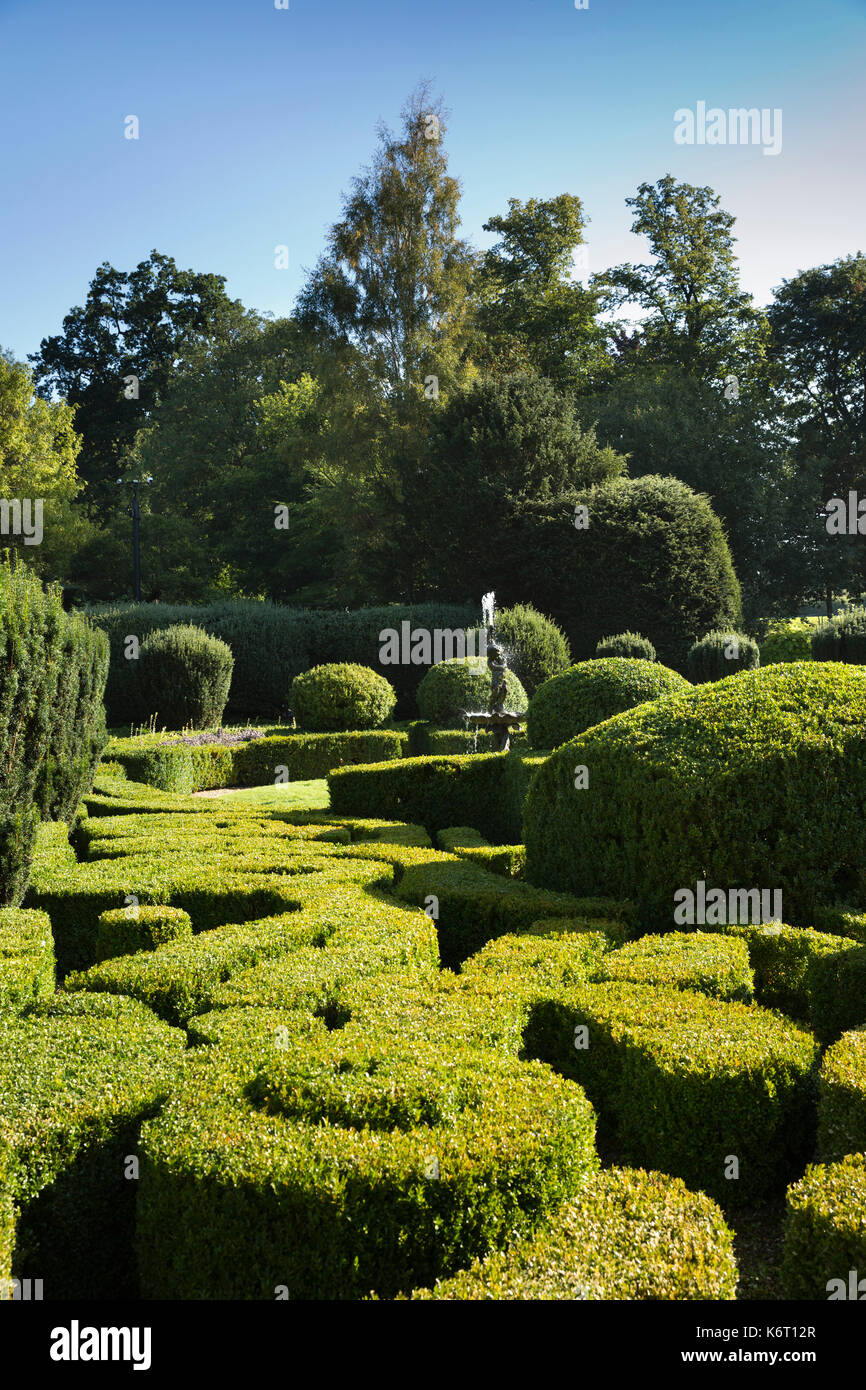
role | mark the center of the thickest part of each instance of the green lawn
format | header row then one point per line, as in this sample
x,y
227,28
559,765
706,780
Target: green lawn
x,y
294,796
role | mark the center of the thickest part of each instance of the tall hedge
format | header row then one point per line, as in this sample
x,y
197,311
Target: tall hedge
x,y
843,638
31,627
78,735
271,645
652,558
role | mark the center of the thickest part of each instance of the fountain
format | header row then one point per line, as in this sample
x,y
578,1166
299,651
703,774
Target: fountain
x,y
497,719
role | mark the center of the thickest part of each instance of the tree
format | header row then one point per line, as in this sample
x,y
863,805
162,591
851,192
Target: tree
x,y
818,324
118,352
495,449
393,280
39,448
732,449
698,318
241,427
531,314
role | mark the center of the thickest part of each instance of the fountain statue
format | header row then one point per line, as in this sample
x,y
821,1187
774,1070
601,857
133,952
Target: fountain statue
x,y
497,719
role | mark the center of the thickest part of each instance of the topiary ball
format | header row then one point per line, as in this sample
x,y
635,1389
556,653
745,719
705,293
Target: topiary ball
x,y
454,687
593,691
535,647
341,696
721,654
628,644
184,676
757,782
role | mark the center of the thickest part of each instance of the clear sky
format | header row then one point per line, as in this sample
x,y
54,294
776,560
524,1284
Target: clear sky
x,y
253,120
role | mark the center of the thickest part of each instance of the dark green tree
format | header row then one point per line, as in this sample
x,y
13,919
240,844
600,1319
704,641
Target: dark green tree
x,y
118,352
532,315
495,449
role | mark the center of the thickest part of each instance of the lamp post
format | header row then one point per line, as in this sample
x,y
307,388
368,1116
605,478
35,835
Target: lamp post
x,y
135,512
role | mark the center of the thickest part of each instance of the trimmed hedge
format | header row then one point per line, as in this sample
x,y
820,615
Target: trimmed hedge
x,y
592,692
466,843
78,736
364,933
713,965
486,791
837,991
825,1231
787,641
184,676
340,697
475,906
26,957
341,1165
31,635
843,638
842,1098
425,740
758,780
685,1083
74,1091
708,659
538,958
463,685
293,638
782,959
627,644
125,930
177,767
627,1234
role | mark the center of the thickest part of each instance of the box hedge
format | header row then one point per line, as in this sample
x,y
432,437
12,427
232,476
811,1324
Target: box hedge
x,y
485,791
26,957
593,691
842,1098
825,1232
627,1234
755,780
685,1083
74,1091
340,1165
473,906
125,930
714,965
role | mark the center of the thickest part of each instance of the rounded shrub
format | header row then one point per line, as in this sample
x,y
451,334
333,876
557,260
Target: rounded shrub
x,y
453,687
753,783
787,641
535,647
843,638
651,557
720,654
184,676
825,1231
591,692
629,644
341,696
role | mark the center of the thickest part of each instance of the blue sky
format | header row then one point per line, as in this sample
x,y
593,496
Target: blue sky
x,y
254,120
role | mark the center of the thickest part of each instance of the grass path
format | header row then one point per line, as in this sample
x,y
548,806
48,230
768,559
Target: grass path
x,y
287,796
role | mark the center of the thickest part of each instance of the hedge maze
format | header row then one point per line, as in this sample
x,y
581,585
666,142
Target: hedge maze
x,y
305,1055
